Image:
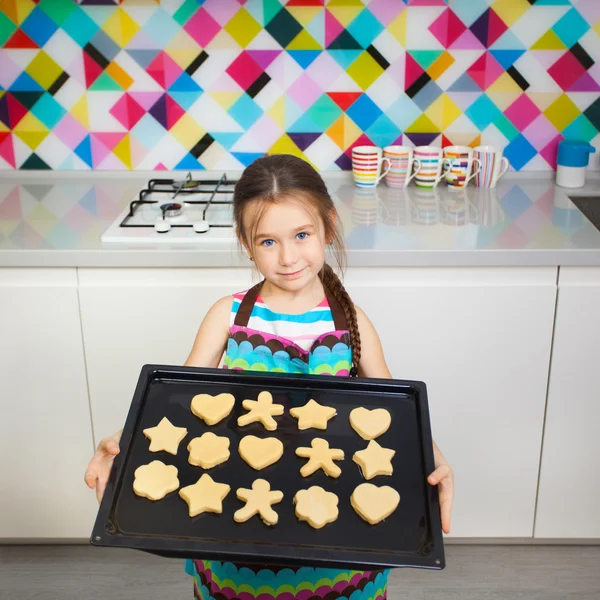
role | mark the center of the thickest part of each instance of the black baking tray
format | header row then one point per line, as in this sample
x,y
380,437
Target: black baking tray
x,y
410,537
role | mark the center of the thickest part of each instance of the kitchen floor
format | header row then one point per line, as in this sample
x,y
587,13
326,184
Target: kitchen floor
x,y
472,573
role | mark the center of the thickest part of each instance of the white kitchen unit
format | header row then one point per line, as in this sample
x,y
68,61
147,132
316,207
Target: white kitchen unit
x,y
45,429
480,338
132,317
569,489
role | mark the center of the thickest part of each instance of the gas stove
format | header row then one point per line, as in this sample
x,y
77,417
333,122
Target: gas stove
x,y
177,212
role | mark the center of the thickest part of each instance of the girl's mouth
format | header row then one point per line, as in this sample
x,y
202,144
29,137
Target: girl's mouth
x,y
292,275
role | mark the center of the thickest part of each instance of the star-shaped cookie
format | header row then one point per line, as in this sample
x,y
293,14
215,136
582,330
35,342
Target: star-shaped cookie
x,y
206,495
261,410
316,506
165,436
320,456
208,450
155,480
374,460
313,414
258,501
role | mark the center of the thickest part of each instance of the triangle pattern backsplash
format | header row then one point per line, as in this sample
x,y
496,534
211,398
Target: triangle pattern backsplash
x,y
213,84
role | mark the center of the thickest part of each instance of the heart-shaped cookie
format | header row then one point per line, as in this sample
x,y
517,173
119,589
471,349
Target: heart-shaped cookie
x,y
374,503
370,424
212,409
260,453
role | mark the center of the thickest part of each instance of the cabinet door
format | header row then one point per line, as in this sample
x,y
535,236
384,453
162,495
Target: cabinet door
x,y
569,484
480,338
45,432
132,317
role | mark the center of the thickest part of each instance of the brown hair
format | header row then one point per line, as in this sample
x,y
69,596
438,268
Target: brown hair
x,y
278,177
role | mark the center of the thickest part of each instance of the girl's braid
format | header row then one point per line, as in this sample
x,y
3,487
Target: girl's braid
x,y
332,282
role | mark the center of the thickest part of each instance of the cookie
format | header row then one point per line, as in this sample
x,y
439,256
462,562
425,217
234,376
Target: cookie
x,y
313,415
260,453
261,410
374,460
316,506
208,450
320,456
370,424
258,501
212,409
206,495
374,503
155,480
165,436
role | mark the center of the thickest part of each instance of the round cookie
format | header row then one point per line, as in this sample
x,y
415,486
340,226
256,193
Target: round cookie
x,y
155,480
316,506
208,450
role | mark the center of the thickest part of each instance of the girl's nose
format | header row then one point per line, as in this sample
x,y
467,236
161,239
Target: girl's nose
x,y
288,255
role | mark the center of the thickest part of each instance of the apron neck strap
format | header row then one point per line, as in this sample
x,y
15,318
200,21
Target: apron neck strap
x,y
242,316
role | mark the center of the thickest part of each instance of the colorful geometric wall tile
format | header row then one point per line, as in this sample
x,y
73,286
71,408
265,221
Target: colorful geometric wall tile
x,y
192,84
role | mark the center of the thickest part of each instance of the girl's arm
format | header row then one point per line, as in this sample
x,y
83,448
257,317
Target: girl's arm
x,y
372,364
211,339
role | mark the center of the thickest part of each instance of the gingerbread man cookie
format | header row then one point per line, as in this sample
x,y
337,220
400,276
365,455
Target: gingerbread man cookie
x,y
374,460
258,501
206,495
320,456
155,480
313,414
212,409
165,436
261,410
316,506
208,450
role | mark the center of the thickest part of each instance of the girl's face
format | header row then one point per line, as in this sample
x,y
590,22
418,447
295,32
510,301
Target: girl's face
x,y
289,243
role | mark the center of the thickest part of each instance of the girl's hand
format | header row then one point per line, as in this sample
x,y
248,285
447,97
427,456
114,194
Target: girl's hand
x,y
99,468
444,478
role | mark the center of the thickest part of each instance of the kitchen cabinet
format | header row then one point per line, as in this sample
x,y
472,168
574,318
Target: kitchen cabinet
x,y
480,338
132,317
45,429
569,486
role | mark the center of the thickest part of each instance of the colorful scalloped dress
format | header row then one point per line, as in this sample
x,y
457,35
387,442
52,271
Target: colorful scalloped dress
x,y
315,342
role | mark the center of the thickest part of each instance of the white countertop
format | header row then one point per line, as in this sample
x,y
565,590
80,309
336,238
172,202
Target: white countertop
x,y
57,219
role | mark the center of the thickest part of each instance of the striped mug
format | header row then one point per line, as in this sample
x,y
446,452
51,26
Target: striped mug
x,y
401,165
461,168
493,165
367,162
433,166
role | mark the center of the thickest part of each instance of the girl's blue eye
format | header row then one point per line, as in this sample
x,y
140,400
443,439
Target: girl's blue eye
x,y
268,243
303,234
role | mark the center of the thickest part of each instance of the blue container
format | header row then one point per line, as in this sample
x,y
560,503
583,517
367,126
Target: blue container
x,y
574,154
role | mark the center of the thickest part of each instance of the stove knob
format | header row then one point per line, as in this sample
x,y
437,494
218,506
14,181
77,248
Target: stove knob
x,y
162,226
201,227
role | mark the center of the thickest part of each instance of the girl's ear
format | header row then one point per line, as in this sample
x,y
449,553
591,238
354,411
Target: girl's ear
x,y
334,217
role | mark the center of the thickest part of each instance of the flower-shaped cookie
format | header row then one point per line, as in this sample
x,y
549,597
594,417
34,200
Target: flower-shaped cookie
x,y
313,414
320,456
258,500
208,450
155,480
261,410
316,506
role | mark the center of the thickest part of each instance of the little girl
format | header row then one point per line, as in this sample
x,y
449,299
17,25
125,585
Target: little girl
x,y
299,319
